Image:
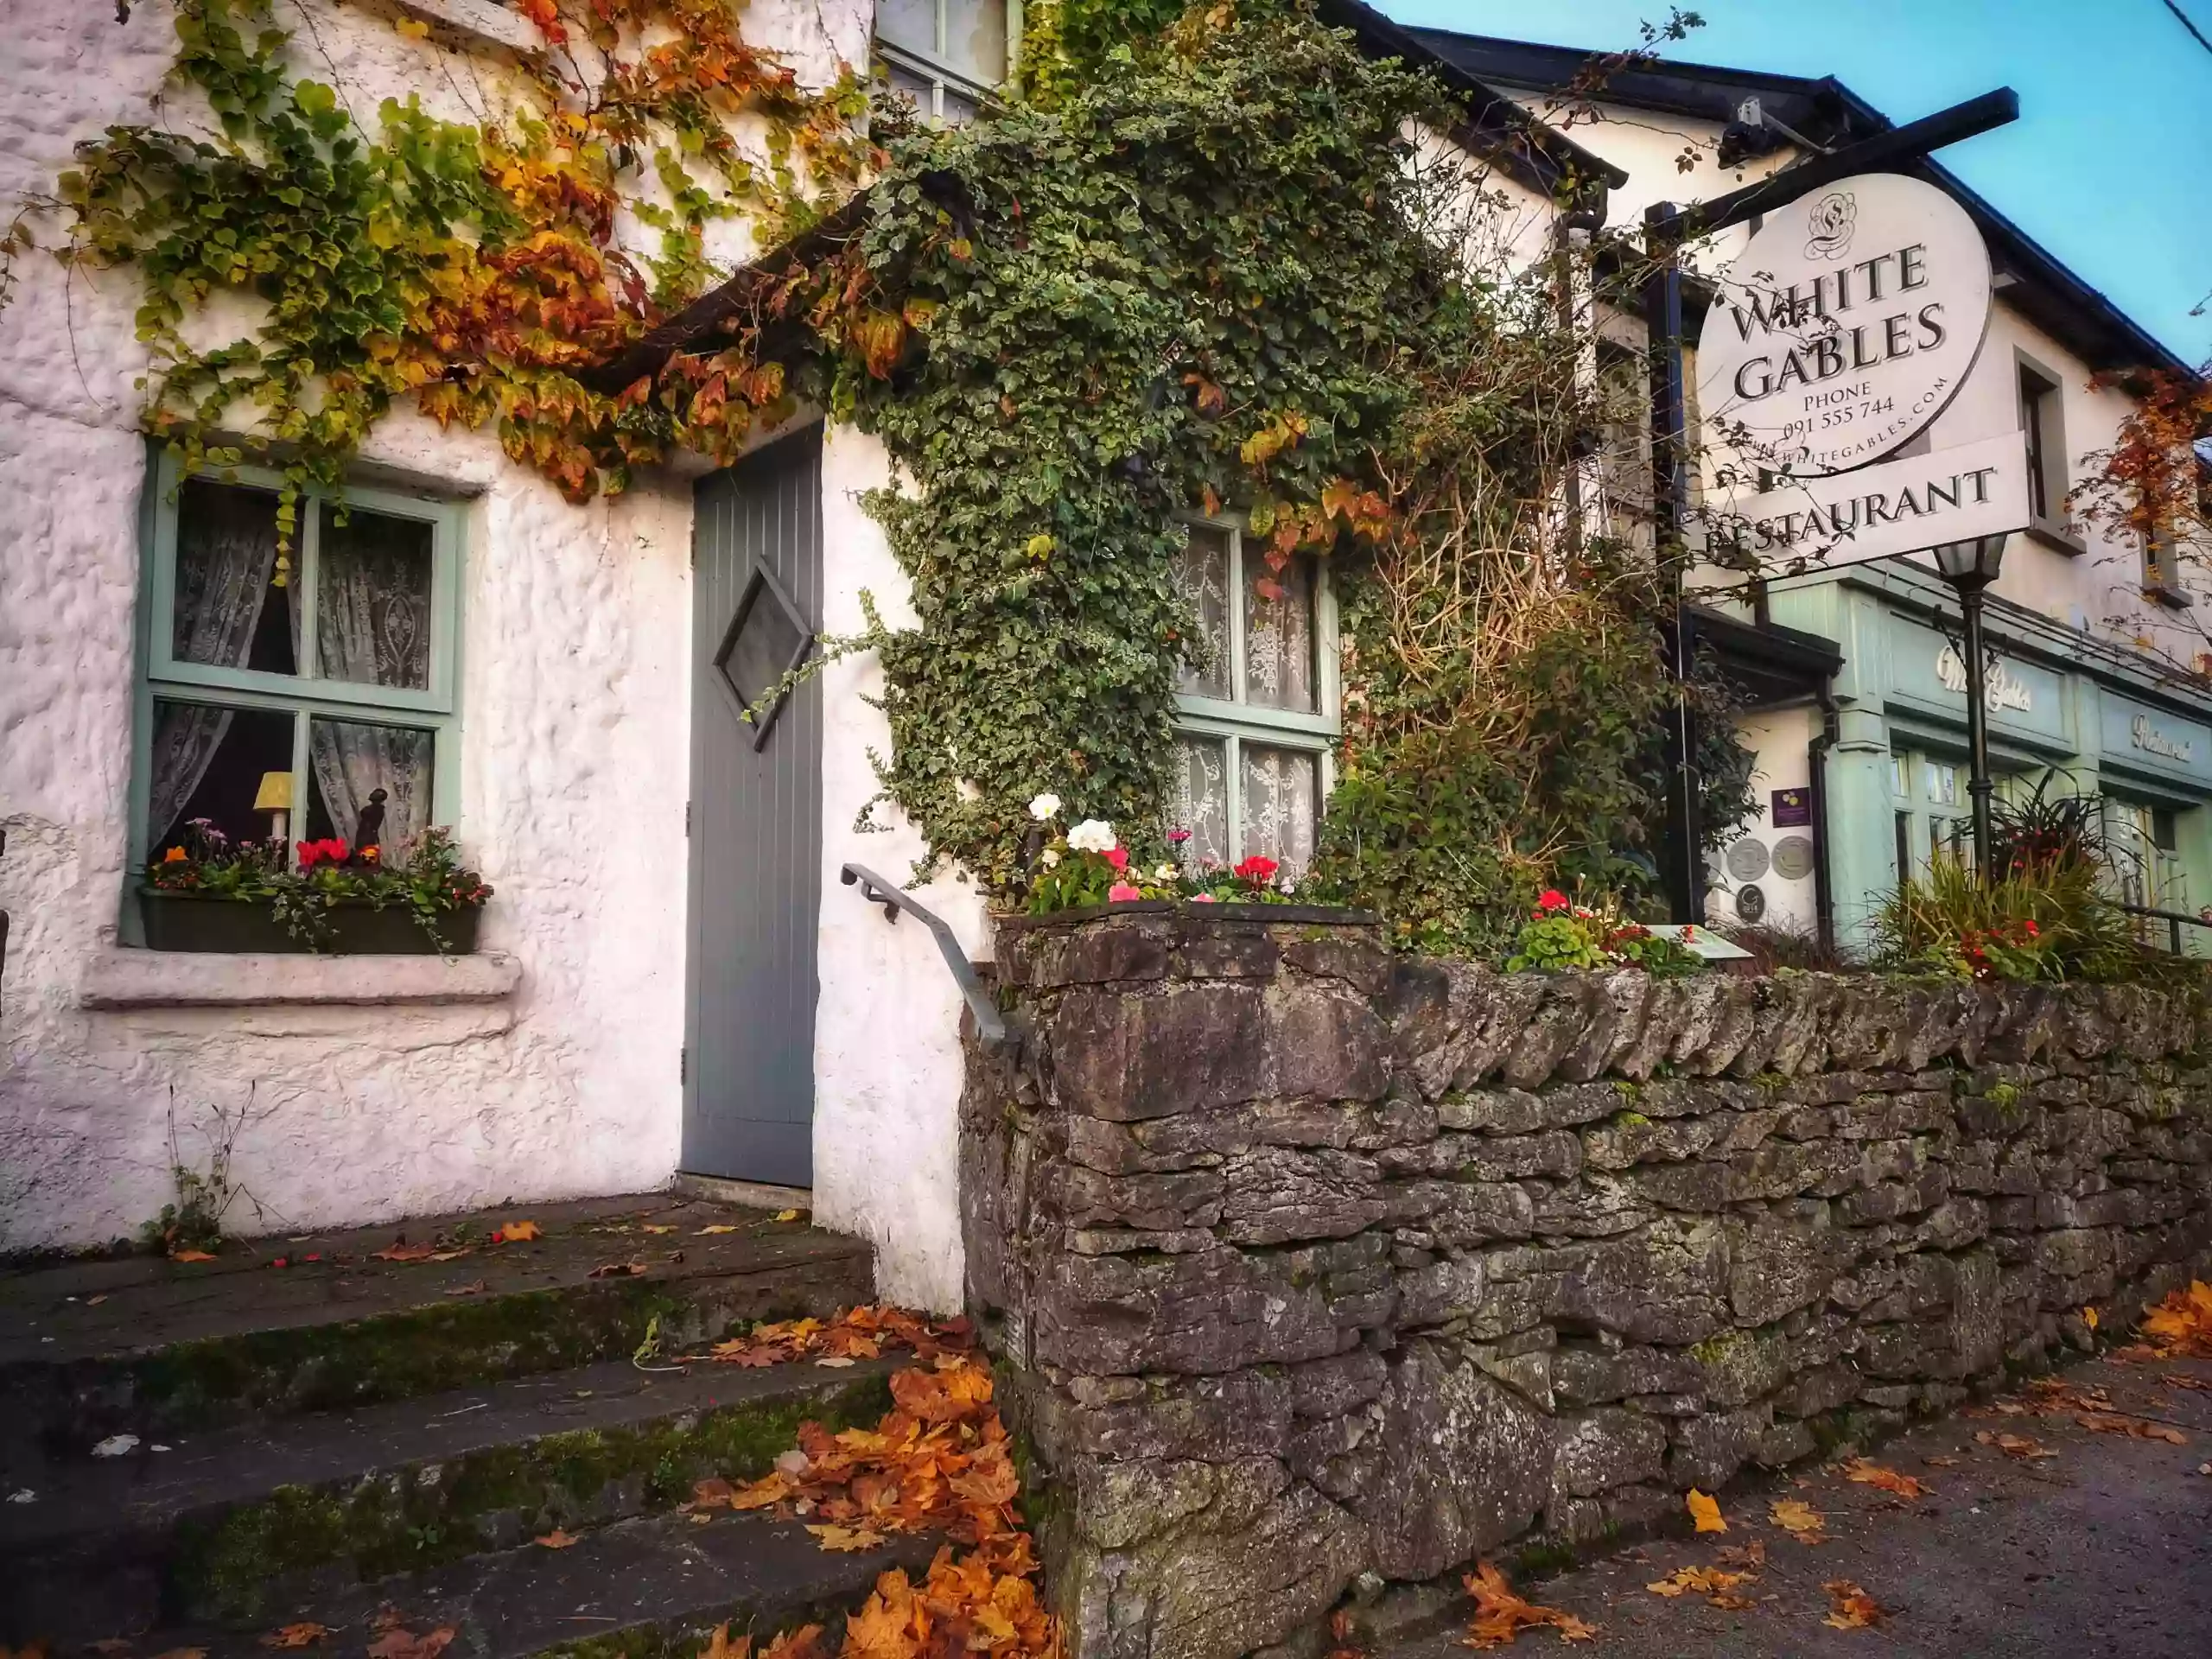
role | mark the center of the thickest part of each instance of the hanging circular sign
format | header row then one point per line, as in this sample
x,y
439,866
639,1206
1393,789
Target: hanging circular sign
x,y
1844,326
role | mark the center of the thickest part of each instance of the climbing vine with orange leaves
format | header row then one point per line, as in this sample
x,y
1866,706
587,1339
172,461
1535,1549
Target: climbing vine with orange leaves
x,y
474,269
2155,481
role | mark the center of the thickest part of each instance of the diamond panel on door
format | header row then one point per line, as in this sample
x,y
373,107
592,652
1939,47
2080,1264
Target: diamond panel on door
x,y
767,638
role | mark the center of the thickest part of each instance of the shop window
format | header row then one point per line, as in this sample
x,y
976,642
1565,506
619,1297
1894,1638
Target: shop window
x,y
314,680
2143,857
1930,811
1257,701
946,55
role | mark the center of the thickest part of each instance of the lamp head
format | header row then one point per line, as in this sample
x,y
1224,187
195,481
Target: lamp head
x,y
276,792
1977,561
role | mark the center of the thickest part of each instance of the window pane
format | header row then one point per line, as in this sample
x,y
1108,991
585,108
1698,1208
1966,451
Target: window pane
x,y
226,612
1279,634
910,23
1202,576
956,109
975,39
349,761
1281,802
1201,803
1942,783
918,90
208,762
372,605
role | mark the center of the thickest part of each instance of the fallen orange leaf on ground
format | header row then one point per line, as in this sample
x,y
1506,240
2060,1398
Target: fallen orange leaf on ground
x,y
2112,1422
305,1634
400,1250
1715,1585
1799,1519
515,1232
1889,1480
1501,1615
190,1256
2183,1321
557,1539
1851,1608
2023,1447
1704,1512
398,1644
847,1539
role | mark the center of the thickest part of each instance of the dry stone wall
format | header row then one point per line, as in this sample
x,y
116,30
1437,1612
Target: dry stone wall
x,y
1304,1263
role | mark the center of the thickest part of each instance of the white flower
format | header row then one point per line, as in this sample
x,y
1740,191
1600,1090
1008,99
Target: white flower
x,y
1045,808
1048,858
1092,835
1164,873
966,790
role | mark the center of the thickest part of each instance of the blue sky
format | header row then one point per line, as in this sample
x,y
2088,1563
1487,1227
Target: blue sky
x,y
2109,165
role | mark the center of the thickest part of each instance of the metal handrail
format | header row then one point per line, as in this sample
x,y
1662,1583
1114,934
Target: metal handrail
x,y
991,1024
2172,919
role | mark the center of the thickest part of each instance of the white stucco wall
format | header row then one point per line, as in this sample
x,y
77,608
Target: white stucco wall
x,y
574,701
888,1064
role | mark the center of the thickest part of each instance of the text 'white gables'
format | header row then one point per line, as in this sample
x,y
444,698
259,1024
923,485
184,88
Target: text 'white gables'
x,y
1845,326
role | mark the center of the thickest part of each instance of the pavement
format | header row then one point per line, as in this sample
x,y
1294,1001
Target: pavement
x,y
2104,1549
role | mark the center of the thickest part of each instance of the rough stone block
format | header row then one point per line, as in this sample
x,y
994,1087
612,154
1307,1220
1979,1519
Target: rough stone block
x,y
1459,1463
1282,1195
1665,1284
1599,1450
1207,1311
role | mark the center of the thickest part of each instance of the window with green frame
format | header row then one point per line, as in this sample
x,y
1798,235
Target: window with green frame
x,y
947,55
1931,808
323,683
1259,715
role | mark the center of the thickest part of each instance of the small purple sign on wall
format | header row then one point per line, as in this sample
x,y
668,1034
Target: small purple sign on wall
x,y
1792,808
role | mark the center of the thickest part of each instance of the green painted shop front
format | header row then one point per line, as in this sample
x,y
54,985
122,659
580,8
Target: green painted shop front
x,y
2107,722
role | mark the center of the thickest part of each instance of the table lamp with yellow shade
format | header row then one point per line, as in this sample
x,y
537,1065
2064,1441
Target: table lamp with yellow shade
x,y
275,798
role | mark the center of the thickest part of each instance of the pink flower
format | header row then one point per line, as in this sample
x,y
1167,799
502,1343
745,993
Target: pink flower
x,y
1178,836
1551,899
1204,898
1121,893
1118,857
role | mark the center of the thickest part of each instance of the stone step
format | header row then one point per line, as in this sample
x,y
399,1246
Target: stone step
x,y
229,1525
143,1345
657,1586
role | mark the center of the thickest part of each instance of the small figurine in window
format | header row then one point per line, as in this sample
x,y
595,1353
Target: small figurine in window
x,y
368,829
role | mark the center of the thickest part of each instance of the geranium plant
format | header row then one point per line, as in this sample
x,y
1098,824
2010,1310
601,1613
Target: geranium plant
x,y
1088,865
431,884
1562,936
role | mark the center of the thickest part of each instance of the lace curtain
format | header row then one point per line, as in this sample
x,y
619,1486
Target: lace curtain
x,y
373,627
1281,789
1201,573
225,553
1279,635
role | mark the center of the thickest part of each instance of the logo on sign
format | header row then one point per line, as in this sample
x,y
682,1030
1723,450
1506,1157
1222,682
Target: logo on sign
x,y
1834,218
2000,688
1846,325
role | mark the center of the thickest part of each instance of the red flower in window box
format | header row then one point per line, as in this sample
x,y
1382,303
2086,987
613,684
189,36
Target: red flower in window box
x,y
1118,857
1256,871
1551,899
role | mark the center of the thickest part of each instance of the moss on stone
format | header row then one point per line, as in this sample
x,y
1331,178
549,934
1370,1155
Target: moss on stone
x,y
414,1517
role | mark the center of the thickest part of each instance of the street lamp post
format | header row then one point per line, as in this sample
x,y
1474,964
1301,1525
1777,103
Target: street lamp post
x,y
1970,567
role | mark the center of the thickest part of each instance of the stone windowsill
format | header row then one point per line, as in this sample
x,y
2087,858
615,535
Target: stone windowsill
x,y
472,23
121,977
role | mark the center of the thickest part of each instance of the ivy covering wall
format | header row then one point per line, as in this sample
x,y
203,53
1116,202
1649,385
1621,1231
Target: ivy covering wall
x,y
1201,261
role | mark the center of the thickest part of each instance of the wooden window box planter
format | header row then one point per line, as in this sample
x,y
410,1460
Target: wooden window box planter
x,y
193,921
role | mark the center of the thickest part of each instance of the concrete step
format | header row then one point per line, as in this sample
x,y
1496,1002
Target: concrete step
x,y
143,1345
224,1525
654,1586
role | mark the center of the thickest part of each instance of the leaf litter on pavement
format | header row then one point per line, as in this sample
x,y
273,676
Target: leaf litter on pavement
x,y
1501,1615
941,1461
